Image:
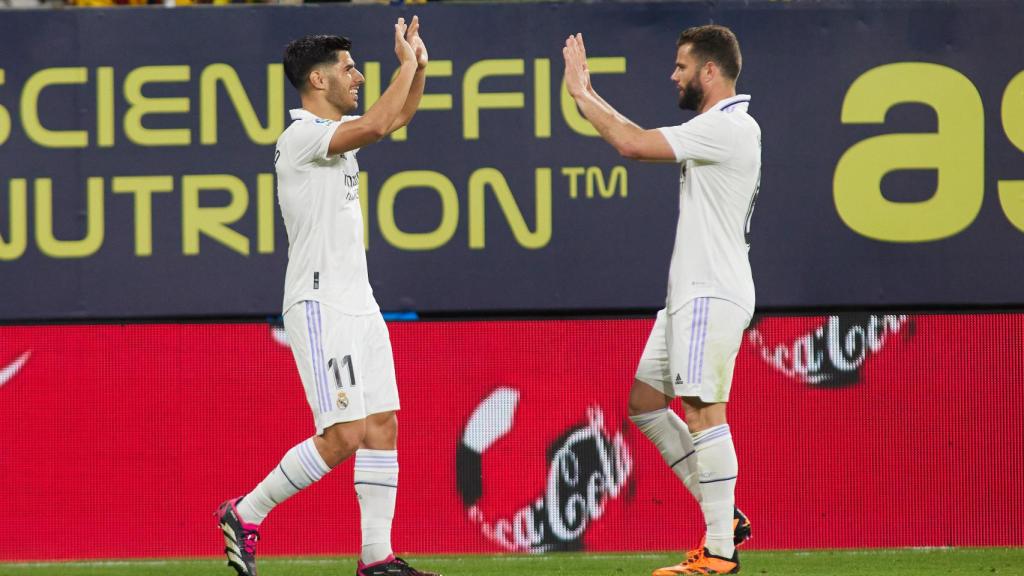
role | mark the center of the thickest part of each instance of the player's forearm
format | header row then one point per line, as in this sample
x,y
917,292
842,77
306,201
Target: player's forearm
x,y
614,128
412,101
386,111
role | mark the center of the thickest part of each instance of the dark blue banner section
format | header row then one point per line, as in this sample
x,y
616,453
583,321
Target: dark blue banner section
x,y
136,148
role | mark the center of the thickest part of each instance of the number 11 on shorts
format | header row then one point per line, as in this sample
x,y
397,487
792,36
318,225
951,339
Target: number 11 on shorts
x,y
346,362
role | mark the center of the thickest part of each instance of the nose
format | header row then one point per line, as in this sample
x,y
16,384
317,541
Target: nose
x,y
359,78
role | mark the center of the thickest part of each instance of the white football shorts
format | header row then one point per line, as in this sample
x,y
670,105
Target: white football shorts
x,y
692,351
345,362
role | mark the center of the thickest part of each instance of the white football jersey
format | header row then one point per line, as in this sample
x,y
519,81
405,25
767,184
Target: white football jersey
x,y
319,198
720,153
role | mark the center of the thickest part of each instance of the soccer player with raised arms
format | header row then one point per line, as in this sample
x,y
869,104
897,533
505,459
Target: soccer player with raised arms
x,y
334,326
692,348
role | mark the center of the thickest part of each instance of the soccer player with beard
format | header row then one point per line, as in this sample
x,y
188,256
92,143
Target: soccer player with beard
x,y
691,351
334,326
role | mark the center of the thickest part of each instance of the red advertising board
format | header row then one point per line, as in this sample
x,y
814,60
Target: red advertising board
x,y
851,431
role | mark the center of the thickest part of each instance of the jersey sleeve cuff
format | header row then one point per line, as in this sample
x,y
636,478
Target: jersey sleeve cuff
x,y
677,150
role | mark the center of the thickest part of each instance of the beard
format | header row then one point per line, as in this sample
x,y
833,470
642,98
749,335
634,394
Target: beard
x,y
339,97
693,95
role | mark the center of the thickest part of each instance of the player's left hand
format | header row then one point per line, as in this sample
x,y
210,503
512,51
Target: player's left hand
x,y
577,75
413,36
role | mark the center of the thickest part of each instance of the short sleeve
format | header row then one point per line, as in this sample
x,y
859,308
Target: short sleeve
x,y
349,119
308,140
702,139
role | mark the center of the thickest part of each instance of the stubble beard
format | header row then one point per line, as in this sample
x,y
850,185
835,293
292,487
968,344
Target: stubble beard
x,y
693,95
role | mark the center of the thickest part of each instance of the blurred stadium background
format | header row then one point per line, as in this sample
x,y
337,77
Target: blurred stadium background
x,y
144,378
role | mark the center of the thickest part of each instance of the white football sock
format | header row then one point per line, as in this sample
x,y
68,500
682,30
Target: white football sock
x,y
716,458
376,483
300,467
672,437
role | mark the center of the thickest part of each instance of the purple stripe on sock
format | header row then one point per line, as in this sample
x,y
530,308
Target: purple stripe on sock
x,y
287,478
376,484
314,455
688,454
376,462
376,466
713,434
711,437
648,417
307,466
307,462
312,460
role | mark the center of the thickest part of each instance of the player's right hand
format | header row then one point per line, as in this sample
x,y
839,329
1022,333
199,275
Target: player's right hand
x,y
418,46
577,74
403,50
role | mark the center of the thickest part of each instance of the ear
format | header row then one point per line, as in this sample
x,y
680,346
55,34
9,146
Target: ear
x,y
710,71
317,80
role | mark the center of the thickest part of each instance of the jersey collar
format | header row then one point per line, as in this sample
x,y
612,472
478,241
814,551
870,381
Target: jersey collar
x,y
737,102
303,114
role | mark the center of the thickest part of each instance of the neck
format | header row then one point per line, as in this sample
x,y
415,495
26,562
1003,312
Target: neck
x,y
321,108
716,95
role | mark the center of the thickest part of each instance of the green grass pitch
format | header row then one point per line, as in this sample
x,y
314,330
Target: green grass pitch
x,y
901,562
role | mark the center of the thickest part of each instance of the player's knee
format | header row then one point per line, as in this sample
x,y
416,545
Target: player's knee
x,y
701,415
381,431
342,441
644,398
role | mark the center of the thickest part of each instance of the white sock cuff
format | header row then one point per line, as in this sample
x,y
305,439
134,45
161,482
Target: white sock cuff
x,y
648,417
312,464
711,436
377,460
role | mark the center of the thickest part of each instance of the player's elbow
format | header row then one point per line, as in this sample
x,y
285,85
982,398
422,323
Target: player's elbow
x,y
630,149
379,130
400,122
376,127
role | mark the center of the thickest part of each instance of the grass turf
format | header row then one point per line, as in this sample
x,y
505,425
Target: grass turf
x,y
899,562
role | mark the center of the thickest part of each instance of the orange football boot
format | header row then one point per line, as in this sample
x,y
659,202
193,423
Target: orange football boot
x,y
702,564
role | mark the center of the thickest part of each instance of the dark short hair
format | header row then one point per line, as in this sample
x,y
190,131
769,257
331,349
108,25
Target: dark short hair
x,y
308,52
717,44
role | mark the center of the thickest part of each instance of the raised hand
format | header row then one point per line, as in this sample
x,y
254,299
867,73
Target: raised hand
x,y
413,36
577,75
403,50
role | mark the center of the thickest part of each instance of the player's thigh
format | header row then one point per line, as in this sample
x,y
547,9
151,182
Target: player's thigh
x,y
335,336
653,368
313,335
704,338
375,366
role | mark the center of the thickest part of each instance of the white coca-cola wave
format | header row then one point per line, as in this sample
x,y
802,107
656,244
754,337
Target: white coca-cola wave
x,y
8,372
830,349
